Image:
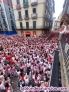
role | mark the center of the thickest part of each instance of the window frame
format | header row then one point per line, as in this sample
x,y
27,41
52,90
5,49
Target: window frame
x,y
34,24
27,25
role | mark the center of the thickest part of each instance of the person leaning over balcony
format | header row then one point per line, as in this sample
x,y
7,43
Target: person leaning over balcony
x,y
64,28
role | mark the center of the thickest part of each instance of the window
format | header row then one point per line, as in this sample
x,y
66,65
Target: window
x,y
13,28
34,10
12,22
10,16
19,14
34,24
1,12
27,24
21,26
18,1
4,21
26,12
9,8
25,1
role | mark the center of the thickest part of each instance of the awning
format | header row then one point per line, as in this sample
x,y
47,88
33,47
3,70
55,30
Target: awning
x,y
27,33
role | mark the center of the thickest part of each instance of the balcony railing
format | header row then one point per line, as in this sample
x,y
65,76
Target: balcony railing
x,y
25,4
26,17
34,2
34,15
18,6
20,18
37,27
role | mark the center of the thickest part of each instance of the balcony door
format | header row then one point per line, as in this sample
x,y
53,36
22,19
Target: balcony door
x,y
18,1
24,1
27,25
34,24
34,10
26,12
19,14
21,25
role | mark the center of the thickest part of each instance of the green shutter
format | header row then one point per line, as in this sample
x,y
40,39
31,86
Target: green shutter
x,y
26,12
34,24
21,26
27,24
17,1
34,10
24,1
19,14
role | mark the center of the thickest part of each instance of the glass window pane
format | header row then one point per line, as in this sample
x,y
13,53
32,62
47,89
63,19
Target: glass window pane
x,y
34,24
21,26
18,2
26,12
34,10
27,24
19,14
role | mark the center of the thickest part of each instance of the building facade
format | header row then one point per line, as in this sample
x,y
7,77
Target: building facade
x,y
33,16
65,12
56,22
7,19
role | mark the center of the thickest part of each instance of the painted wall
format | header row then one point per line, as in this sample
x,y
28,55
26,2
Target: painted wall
x,y
39,9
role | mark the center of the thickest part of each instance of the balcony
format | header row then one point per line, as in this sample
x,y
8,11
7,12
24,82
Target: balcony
x,y
34,27
20,18
34,16
33,3
25,4
18,6
26,17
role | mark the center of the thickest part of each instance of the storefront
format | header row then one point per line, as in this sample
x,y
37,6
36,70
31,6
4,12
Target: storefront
x,y
28,34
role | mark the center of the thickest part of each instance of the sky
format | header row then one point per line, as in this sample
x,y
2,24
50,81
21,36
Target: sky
x,y
58,7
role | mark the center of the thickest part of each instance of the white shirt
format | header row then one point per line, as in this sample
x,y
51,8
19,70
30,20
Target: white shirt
x,y
2,86
26,81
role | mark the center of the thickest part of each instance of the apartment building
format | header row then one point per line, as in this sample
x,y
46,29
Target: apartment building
x,y
7,19
33,16
65,12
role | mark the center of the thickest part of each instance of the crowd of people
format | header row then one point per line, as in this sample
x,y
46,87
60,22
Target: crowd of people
x,y
29,59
